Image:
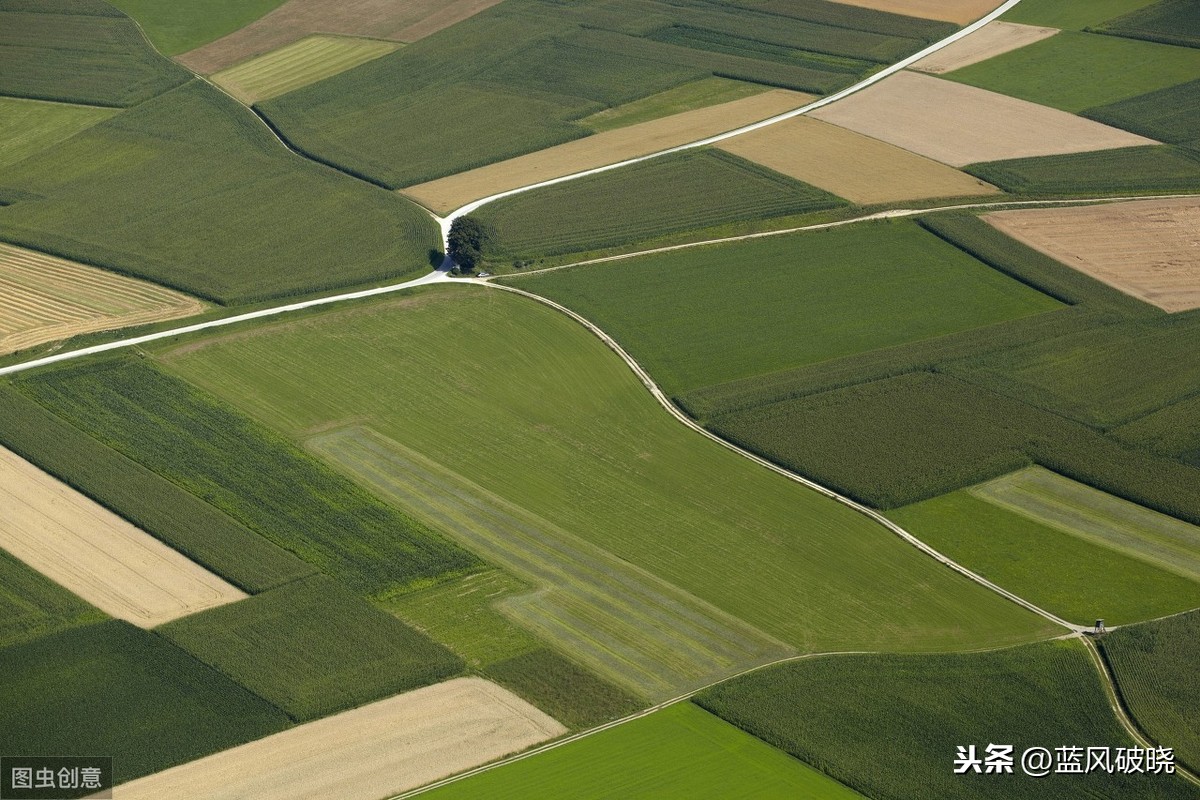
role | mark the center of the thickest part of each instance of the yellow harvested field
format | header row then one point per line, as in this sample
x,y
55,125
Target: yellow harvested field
x,y
959,11
861,169
446,194
309,60
1146,248
83,546
991,40
44,299
374,751
959,125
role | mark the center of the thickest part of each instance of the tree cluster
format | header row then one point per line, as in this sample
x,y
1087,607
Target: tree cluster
x,y
468,240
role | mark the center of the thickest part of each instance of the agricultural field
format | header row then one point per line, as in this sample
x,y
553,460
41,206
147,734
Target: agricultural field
x,y
33,606
47,299
896,738
1168,115
680,751
309,60
702,93
701,317
1154,664
79,51
176,28
1075,71
1072,15
1171,431
1143,248
861,169
30,126
618,208
369,752
115,689
248,219
572,695
991,40
957,11
561,429
1167,21
447,194
312,649
96,554
1066,547
1129,170
959,124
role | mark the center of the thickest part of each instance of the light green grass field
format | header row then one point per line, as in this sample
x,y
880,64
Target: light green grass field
x,y
1072,15
679,752
1069,548
309,60
176,27
1074,71
545,417
715,314
697,94
30,126
32,605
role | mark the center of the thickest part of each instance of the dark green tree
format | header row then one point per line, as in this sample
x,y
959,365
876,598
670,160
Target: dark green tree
x,y
467,241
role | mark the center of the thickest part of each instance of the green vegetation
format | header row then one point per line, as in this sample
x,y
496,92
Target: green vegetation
x,y
32,605
1155,668
690,190
699,317
890,726
248,220
678,752
154,504
1061,564
178,27
312,649
563,689
697,94
1074,71
249,473
1167,21
561,431
466,242
1126,170
30,126
1172,431
309,60
535,69
1074,15
1168,115
79,51
120,691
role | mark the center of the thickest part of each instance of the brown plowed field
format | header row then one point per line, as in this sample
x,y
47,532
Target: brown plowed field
x,y
991,40
44,299
959,11
959,125
374,751
116,567
446,194
850,165
1146,248
397,20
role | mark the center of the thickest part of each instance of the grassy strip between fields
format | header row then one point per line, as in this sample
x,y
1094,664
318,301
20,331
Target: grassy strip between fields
x,y
32,606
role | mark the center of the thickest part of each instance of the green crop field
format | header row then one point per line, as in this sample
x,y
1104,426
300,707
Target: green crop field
x,y
115,690
312,649
1060,550
890,726
692,190
249,473
79,51
1127,170
157,506
1171,431
178,27
559,429
678,752
309,60
1168,115
685,97
248,220
1074,71
563,689
1072,15
1154,664
706,316
30,126
32,605
1167,21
